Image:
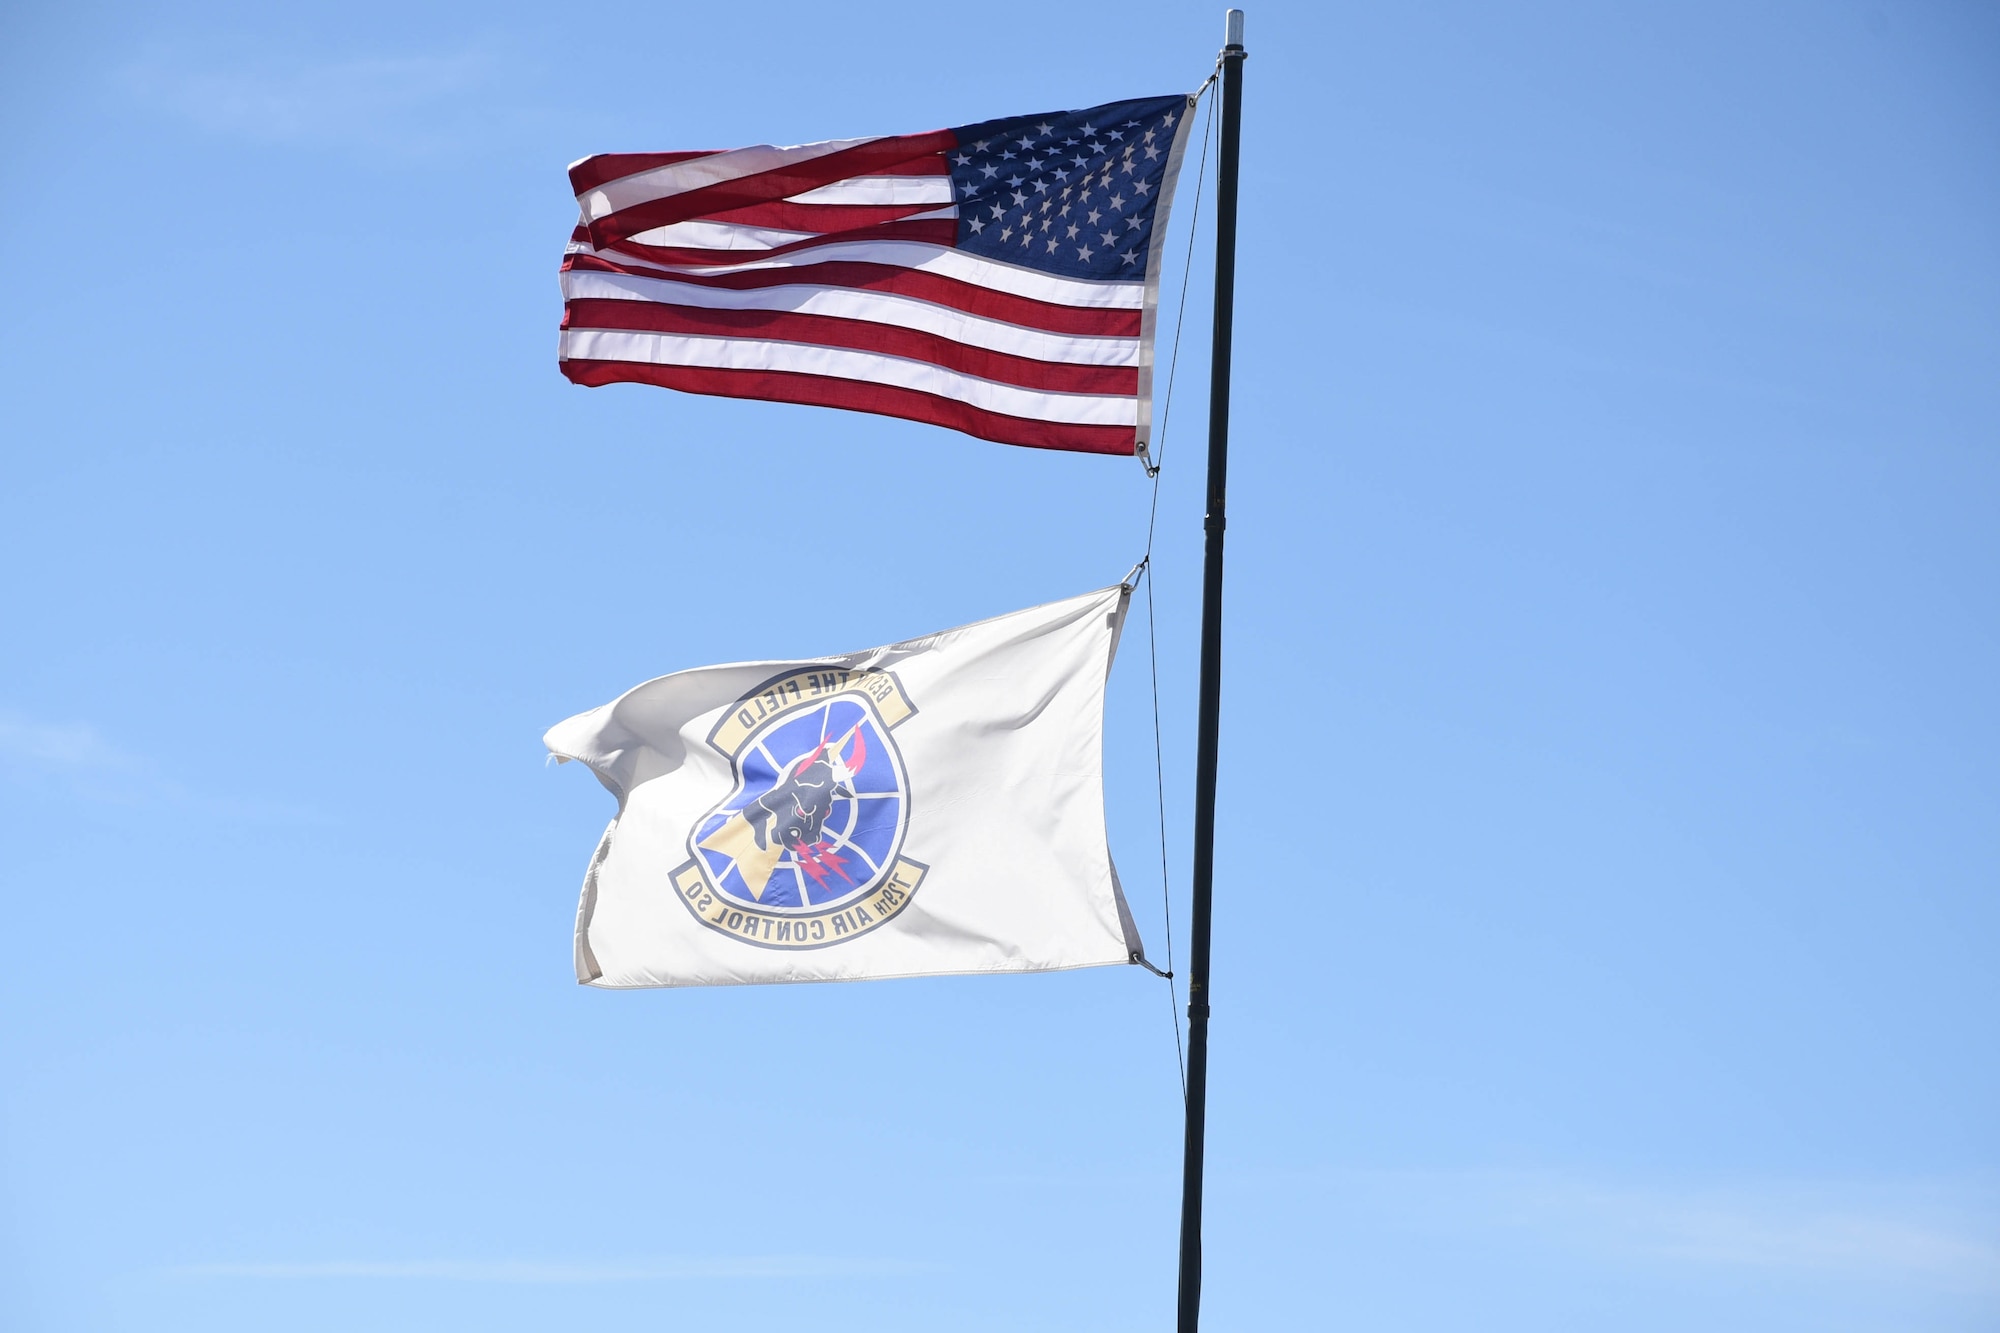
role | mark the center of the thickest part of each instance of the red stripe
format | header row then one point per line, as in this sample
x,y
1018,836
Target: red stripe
x,y
592,172
919,166
823,218
933,287
597,170
862,335
932,231
883,399
868,159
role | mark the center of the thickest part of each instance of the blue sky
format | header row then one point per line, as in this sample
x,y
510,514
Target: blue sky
x,y
1614,504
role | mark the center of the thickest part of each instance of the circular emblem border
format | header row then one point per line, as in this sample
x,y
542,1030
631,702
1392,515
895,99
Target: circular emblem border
x,y
881,694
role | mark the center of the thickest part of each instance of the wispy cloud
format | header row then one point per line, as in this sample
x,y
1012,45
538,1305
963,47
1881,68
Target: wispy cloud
x,y
75,758
398,103
1890,1232
1942,1236
513,1270
72,746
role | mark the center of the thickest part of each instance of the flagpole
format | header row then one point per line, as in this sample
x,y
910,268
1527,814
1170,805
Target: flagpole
x,y
1210,710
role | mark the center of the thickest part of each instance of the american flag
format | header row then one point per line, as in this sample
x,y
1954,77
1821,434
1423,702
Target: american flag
x,y
1001,279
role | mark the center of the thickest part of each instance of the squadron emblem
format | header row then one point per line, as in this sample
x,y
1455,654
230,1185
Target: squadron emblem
x,y
806,851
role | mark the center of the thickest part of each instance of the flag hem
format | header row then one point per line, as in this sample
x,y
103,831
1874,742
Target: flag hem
x,y
1149,316
600,984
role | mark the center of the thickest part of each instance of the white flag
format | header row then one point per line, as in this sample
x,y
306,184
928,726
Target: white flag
x,y
933,806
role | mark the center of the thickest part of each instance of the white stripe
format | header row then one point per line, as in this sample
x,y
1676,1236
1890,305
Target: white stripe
x,y
742,236
721,236
861,304
673,349
994,274
680,177
881,190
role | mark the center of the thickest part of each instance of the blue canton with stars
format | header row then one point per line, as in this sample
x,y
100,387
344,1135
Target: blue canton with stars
x,y
1071,192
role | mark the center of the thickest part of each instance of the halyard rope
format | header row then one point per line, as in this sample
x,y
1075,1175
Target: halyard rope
x,y
1153,467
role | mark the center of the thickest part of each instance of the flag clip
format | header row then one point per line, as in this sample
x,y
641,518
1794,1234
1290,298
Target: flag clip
x,y
1146,459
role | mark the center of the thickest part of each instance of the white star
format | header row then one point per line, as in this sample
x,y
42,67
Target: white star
x,y
1081,161
1047,223
1083,252
1095,217
1025,142
1168,119
980,147
1019,198
1041,187
1131,255
1072,231
1025,238
1151,152
1008,156
1014,181
1108,239
1035,164
990,170
1149,135
1086,129
1044,129
1141,187
1069,143
1046,203
1131,124
1117,202
1133,223
963,159
1095,146
1115,134
976,225
1006,232
1052,245
1065,210
998,212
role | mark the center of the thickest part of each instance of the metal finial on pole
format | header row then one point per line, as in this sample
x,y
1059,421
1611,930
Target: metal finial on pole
x,y
1210,707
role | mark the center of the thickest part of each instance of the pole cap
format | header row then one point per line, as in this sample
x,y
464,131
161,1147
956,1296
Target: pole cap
x,y
1232,28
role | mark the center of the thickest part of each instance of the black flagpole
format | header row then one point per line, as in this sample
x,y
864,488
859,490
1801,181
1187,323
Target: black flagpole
x,y
1211,674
